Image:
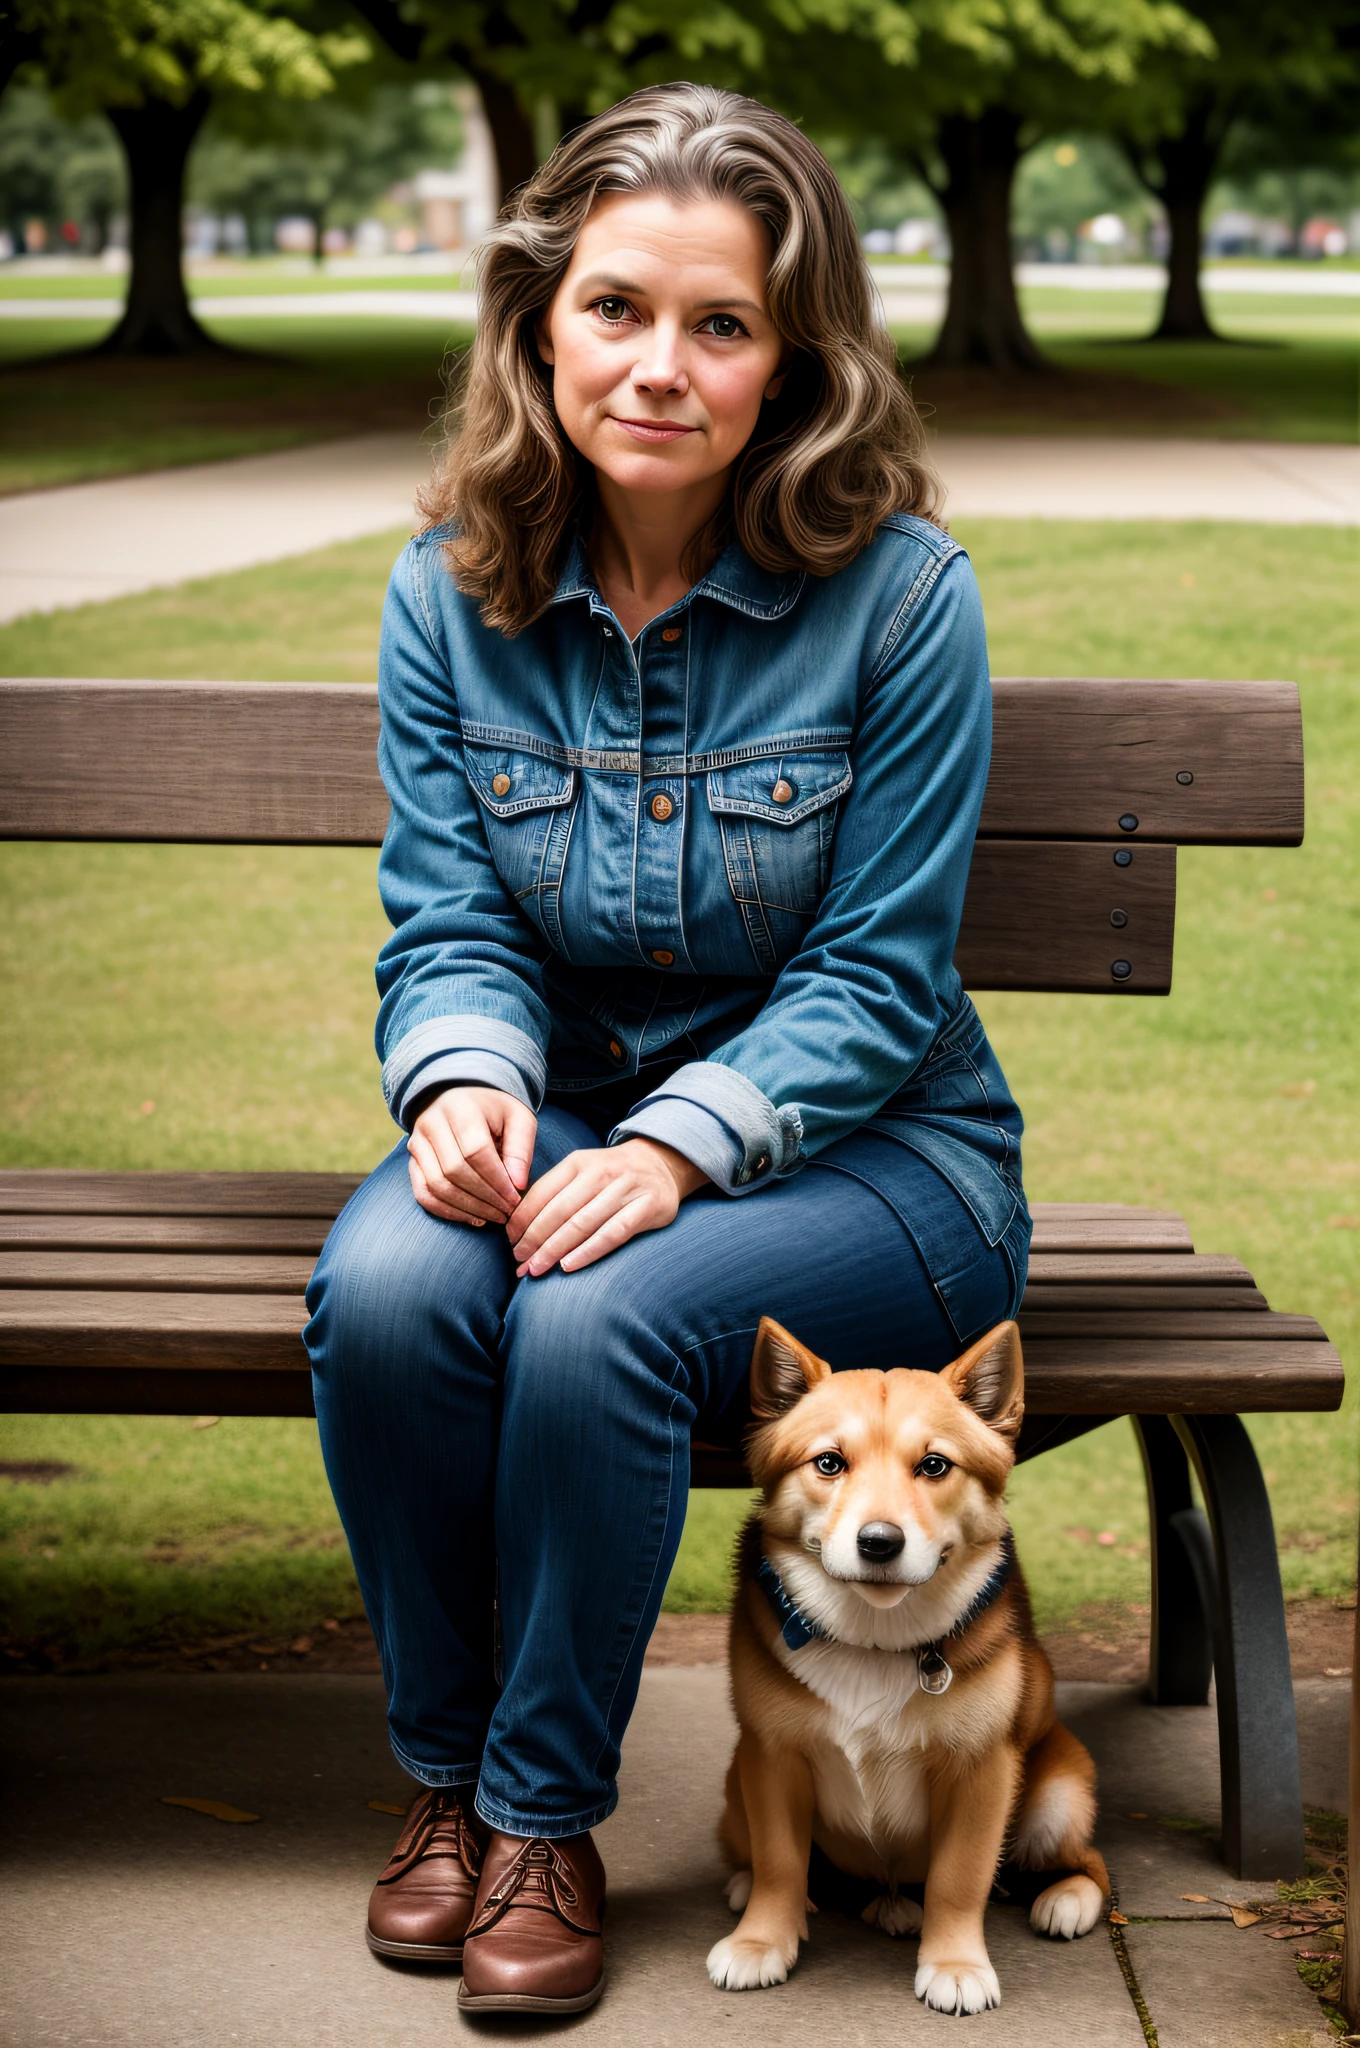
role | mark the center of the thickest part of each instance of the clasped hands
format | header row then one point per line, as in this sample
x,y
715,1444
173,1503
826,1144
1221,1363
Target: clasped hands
x,y
470,1153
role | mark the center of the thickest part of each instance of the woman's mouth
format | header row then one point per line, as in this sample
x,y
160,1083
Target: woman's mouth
x,y
653,430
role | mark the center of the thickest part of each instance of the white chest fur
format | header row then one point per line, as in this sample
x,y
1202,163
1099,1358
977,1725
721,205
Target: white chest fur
x,y
871,1761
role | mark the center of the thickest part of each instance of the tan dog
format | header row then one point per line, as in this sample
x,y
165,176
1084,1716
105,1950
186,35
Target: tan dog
x,y
895,1705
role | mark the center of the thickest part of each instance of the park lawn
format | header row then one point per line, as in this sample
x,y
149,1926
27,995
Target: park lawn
x,y
230,988
66,418
1290,372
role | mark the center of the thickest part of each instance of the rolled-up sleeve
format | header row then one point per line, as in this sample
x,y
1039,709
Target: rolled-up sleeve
x,y
856,1009
460,979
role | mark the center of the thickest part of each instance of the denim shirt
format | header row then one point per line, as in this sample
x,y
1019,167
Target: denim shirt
x,y
733,852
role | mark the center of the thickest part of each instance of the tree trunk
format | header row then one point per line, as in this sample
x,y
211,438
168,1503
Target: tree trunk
x,y
512,131
983,326
157,320
1186,165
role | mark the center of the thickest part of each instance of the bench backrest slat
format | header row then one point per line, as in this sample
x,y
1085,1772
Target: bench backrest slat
x,y
1076,765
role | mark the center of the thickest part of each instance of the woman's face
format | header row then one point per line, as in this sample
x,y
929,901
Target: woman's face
x,y
660,341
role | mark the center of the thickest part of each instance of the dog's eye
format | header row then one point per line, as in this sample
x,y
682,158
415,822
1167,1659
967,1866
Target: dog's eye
x,y
830,1464
933,1466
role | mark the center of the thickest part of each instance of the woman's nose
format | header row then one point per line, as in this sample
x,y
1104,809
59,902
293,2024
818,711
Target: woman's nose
x,y
660,365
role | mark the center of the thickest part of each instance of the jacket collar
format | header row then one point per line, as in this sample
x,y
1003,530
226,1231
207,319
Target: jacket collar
x,y
734,580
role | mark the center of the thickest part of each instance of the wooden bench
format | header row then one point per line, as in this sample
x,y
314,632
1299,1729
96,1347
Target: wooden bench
x,y
156,1293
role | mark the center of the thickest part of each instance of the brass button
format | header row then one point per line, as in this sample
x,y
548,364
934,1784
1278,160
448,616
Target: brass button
x,y
662,808
782,791
500,785
670,634
663,958
615,1049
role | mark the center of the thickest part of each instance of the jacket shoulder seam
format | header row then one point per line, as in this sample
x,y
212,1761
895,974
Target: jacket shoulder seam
x,y
921,585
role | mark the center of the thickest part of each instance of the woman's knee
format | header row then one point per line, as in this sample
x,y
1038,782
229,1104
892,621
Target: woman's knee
x,y
573,1343
394,1285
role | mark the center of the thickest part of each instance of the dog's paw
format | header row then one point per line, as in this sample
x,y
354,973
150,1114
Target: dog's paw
x,y
1067,1909
737,1965
958,1987
738,1890
894,1913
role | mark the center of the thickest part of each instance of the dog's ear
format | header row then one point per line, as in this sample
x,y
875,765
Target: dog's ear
x,y
782,1370
990,1379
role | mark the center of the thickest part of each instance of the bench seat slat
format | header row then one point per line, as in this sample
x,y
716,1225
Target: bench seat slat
x,y
1209,1269
1040,1296
57,1190
1171,1326
170,1272
1103,1374
169,1234
60,1191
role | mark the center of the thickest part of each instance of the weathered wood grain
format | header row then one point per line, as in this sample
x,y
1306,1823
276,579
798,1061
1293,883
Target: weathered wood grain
x,y
1040,915
1088,753
290,763
159,1272
58,1190
68,1231
1154,1269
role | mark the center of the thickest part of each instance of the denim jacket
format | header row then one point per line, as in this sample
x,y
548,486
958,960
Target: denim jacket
x,y
735,849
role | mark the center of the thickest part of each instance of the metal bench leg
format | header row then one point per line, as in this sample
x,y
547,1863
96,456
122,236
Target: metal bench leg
x,y
1258,1745
1184,1589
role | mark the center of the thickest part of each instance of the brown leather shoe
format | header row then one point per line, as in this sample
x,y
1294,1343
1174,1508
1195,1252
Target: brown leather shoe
x,y
423,1902
535,1943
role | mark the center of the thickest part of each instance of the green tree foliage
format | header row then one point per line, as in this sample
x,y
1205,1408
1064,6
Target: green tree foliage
x,y
155,67
328,159
56,171
1282,78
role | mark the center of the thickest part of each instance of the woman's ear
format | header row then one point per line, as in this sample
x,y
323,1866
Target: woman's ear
x,y
543,342
776,383
782,1370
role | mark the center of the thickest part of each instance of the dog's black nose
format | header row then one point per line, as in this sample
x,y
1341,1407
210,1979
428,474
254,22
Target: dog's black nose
x,y
880,1542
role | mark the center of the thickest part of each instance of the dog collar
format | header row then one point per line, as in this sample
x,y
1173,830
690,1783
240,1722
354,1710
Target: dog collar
x,y
934,1674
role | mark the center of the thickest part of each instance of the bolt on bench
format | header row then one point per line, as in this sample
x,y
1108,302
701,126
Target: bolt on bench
x,y
181,1293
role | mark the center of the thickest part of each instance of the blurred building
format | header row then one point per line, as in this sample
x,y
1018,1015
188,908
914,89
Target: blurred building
x,y
458,207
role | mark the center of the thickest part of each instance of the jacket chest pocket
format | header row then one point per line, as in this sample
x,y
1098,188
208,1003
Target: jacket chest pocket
x,y
527,807
778,819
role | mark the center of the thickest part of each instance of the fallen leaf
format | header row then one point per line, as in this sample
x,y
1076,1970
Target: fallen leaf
x,y
148,1107
206,1421
1118,1920
1107,1537
384,1806
301,1647
1300,1090
1188,581
1343,1222
1242,1916
1270,895
1335,1671
216,1809
1137,1816
332,1625
1197,1898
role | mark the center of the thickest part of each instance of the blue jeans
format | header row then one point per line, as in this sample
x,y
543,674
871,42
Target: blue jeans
x,y
520,1450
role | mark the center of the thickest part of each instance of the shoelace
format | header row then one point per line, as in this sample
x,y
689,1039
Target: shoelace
x,y
438,1826
538,1869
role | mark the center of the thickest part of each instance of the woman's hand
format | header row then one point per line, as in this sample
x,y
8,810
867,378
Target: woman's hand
x,y
469,1155
595,1200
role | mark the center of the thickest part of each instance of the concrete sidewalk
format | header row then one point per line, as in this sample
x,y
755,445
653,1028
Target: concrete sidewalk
x,y
132,1924
88,542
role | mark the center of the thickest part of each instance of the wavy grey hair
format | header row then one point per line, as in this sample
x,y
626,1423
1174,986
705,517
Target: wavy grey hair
x,y
837,451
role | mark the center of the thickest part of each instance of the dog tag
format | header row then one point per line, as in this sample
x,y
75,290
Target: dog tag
x,y
933,1674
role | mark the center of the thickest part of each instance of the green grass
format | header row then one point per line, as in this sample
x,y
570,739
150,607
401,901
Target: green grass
x,y
1290,371
71,417
232,988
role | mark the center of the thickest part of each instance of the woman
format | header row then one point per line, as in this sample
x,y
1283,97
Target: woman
x,y
685,724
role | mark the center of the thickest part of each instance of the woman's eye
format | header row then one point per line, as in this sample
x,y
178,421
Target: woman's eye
x,y
934,1466
830,1464
612,309
725,326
